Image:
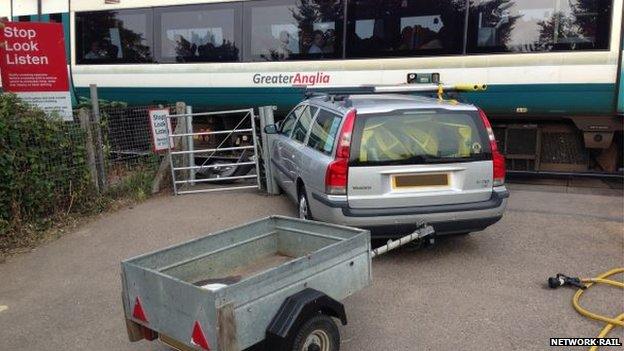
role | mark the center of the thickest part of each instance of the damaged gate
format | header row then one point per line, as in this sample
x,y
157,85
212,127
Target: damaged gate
x,y
217,156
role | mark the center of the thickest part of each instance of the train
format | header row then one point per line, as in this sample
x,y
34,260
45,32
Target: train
x,y
553,68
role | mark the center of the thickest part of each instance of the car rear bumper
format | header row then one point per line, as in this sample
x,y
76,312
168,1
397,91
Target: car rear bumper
x,y
393,222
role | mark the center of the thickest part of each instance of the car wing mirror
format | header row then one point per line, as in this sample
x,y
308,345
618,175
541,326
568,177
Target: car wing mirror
x,y
270,129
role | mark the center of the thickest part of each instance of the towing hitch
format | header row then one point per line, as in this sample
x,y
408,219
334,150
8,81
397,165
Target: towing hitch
x,y
425,232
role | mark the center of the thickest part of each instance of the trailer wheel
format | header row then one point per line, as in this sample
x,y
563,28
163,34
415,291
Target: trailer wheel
x,y
318,333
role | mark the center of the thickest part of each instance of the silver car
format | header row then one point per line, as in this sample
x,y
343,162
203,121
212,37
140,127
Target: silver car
x,y
387,162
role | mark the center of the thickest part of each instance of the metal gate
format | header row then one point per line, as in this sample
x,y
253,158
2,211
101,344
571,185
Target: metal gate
x,y
213,159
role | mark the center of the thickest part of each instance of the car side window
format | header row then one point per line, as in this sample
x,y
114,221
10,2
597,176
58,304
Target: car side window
x,y
289,122
303,123
323,131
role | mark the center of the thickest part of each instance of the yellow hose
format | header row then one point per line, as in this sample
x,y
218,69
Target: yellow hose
x,y
611,322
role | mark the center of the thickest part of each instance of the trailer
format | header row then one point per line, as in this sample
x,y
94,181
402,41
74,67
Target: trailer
x,y
275,283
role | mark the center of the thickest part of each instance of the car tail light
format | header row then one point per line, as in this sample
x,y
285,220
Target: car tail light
x,y
498,159
338,170
198,338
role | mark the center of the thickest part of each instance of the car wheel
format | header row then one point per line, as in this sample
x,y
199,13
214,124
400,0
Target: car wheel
x,y
319,333
304,205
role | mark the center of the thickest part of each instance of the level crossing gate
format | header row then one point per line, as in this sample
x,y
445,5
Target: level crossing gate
x,y
215,159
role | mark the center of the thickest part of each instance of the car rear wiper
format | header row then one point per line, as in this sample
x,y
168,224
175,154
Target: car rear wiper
x,y
416,158
434,159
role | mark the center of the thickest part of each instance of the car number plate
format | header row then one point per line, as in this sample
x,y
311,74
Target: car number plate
x,y
429,180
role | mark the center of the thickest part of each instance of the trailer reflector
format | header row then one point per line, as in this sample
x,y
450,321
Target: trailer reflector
x,y
138,311
198,338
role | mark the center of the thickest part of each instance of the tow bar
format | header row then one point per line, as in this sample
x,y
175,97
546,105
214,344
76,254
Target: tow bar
x,y
425,232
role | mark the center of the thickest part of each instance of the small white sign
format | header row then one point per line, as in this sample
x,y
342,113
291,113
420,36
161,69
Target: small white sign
x,y
51,102
161,127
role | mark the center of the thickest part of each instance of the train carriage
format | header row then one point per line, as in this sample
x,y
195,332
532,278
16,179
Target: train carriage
x,y
553,67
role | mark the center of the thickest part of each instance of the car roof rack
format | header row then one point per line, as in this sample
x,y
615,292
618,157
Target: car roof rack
x,y
332,96
339,93
400,88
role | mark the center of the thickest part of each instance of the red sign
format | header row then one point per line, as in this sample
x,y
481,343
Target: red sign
x,y
33,65
34,57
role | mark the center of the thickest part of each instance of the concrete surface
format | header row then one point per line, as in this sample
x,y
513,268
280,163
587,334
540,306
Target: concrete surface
x,y
572,185
485,291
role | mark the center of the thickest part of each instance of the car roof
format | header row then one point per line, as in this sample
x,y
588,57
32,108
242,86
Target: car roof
x,y
381,103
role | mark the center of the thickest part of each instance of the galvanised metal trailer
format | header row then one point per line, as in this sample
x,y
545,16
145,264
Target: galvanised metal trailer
x,y
275,282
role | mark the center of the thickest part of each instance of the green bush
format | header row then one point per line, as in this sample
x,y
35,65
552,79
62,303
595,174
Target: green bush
x,y
43,167
44,176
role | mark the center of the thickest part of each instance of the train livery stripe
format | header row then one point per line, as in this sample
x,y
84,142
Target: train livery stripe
x,y
546,99
539,99
620,107
540,90
196,76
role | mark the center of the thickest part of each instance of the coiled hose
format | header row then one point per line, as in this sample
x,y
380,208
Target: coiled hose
x,y
610,322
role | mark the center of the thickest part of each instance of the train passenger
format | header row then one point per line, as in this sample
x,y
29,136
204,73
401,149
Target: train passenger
x,y
96,52
318,43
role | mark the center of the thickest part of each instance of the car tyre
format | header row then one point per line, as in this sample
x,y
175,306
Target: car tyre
x,y
319,333
304,205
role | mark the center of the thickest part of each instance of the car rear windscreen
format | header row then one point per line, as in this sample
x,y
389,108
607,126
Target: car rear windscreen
x,y
419,137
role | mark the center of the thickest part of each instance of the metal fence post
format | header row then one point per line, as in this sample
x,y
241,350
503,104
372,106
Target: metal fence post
x,y
267,118
180,128
190,143
252,117
83,116
170,159
100,161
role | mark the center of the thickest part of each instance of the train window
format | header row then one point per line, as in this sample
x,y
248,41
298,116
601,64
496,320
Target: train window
x,y
110,37
279,30
23,18
202,33
378,28
538,25
56,18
